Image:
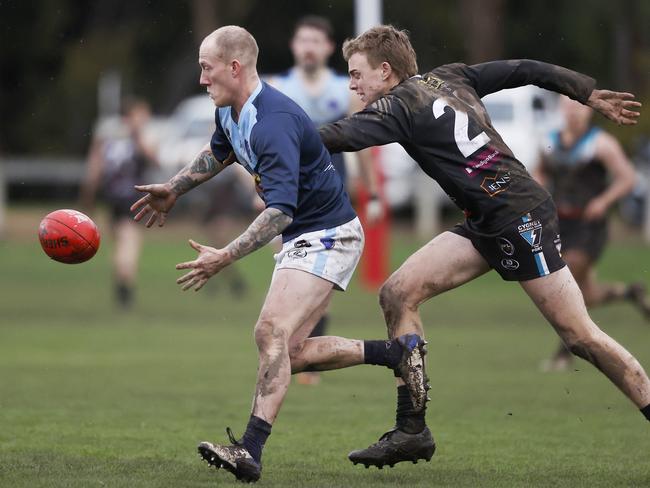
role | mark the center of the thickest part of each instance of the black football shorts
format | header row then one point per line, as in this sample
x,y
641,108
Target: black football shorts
x,y
525,249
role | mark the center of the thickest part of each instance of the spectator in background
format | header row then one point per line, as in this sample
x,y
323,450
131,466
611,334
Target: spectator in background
x,y
118,157
228,202
587,172
326,97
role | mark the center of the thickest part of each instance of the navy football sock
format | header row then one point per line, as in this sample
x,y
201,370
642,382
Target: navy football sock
x,y
257,431
406,418
382,353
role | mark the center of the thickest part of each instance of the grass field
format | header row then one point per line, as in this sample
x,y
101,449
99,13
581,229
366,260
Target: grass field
x,y
93,397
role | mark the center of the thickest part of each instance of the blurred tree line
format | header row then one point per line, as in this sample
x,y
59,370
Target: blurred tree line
x,y
53,52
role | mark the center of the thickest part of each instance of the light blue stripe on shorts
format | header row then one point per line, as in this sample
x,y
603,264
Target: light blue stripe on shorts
x,y
321,259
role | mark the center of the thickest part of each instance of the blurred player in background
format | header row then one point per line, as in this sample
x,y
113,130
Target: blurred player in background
x,y
118,157
587,172
511,222
272,137
228,203
325,96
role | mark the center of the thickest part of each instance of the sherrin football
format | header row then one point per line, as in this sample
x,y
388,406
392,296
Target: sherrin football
x,y
68,236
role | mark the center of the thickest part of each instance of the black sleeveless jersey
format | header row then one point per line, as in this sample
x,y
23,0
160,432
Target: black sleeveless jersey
x,y
441,122
576,174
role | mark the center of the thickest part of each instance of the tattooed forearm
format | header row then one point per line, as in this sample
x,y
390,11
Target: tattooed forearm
x,y
182,184
270,223
203,167
205,163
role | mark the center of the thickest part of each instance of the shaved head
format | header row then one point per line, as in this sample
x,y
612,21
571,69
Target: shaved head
x,y
233,42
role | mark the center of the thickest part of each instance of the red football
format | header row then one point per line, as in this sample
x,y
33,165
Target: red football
x,y
68,236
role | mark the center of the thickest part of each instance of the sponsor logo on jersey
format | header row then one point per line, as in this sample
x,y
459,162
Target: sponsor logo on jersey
x,y
493,185
510,264
482,161
506,246
432,81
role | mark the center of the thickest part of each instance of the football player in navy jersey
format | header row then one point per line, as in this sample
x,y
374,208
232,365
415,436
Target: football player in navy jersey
x,y
511,223
272,137
587,172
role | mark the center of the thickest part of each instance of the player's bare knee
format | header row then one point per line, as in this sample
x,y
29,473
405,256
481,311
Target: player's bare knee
x,y
268,335
581,345
297,357
392,297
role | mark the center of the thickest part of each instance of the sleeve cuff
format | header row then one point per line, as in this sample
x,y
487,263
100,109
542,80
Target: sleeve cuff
x,y
284,208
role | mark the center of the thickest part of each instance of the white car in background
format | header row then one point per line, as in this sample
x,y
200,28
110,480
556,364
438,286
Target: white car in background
x,y
190,127
524,117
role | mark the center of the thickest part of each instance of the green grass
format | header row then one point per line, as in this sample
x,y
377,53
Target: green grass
x,y
93,397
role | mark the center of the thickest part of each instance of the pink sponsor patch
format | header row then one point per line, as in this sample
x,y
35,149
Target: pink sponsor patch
x,y
482,161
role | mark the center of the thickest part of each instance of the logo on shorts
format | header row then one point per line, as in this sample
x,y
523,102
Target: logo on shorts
x,y
301,243
506,246
531,232
297,253
493,185
510,264
558,244
328,242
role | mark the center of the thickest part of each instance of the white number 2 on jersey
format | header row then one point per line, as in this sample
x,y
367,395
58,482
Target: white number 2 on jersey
x,y
466,146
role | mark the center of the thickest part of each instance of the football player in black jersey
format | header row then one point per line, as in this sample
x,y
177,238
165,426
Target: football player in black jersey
x,y
511,222
587,172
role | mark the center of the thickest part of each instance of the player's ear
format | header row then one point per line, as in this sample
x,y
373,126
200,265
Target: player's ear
x,y
386,70
235,68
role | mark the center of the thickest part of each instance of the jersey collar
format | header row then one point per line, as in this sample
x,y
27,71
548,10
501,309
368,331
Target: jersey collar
x,y
247,105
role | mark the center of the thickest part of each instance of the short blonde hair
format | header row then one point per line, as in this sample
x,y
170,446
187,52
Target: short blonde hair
x,y
234,42
385,43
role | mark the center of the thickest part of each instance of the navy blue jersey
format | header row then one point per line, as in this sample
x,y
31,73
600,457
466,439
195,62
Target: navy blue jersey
x,y
279,145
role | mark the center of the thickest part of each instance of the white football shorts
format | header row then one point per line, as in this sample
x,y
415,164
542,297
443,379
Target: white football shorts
x,y
332,254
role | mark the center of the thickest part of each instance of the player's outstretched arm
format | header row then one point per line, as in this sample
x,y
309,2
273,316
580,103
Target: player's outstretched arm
x,y
270,223
618,107
160,198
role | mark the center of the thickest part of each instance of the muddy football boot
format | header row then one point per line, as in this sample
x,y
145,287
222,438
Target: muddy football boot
x,y
235,458
411,369
394,447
